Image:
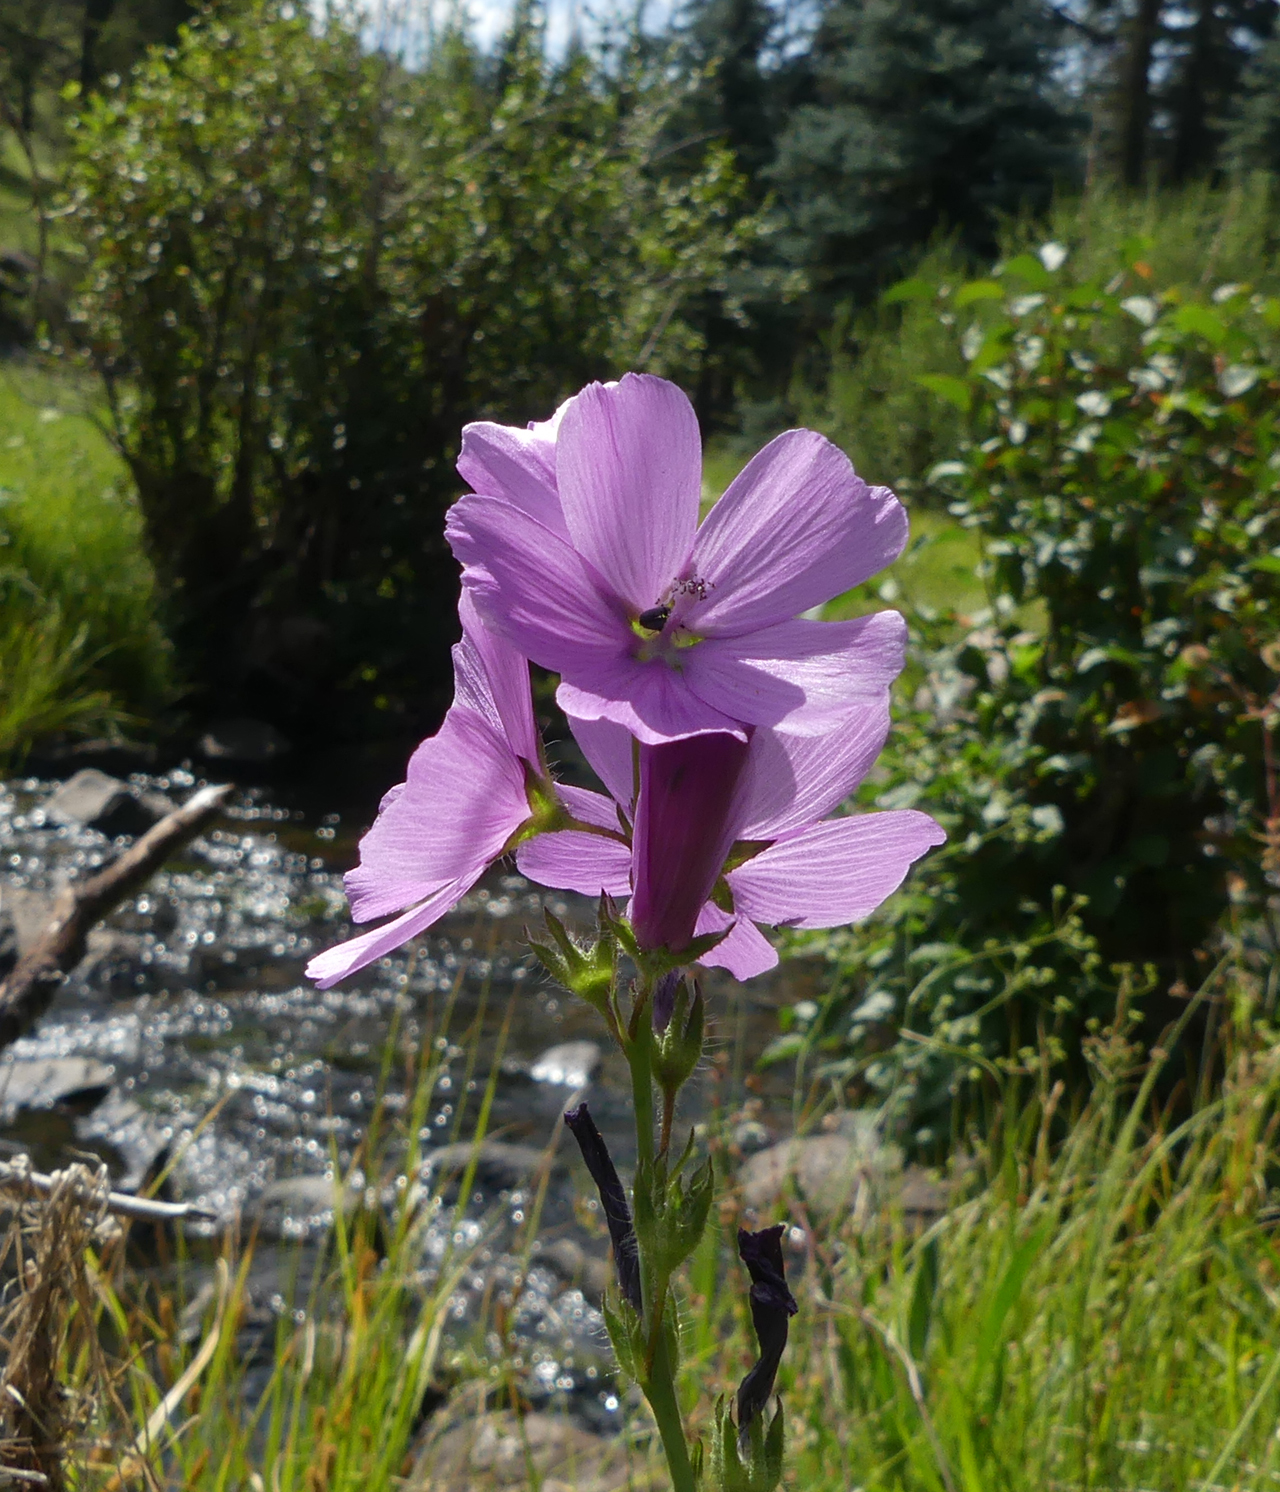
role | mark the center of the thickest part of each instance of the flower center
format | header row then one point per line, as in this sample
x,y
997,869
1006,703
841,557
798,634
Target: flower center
x,y
661,629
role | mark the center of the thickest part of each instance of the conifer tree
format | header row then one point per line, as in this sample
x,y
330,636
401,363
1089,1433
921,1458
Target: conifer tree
x,y
929,115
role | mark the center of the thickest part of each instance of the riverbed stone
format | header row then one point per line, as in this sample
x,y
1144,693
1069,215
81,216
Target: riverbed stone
x,y
493,1451
570,1064
102,802
298,1206
570,1262
847,1172
77,1083
500,1166
243,740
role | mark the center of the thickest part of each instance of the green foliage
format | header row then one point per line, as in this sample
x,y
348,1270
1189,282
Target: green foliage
x,y
302,286
871,400
80,650
1097,742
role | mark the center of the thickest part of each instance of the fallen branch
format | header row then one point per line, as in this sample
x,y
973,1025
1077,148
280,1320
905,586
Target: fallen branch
x,y
29,989
18,1181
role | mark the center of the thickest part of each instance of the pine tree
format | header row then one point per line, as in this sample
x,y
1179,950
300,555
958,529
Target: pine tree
x,y
1253,134
930,115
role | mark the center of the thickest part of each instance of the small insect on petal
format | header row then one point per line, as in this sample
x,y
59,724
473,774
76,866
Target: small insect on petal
x,y
655,619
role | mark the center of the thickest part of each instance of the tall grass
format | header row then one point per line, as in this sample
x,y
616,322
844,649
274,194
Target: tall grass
x,y
1098,1308
80,647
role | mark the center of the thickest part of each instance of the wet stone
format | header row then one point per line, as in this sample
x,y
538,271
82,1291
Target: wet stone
x,y
106,804
499,1166
133,1138
243,740
571,1064
77,1083
301,1206
27,913
567,1259
487,1452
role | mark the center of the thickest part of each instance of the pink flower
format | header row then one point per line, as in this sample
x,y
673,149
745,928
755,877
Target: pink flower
x,y
581,545
778,860
466,798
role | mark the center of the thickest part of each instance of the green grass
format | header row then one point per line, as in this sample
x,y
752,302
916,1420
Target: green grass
x,y
80,647
1096,1309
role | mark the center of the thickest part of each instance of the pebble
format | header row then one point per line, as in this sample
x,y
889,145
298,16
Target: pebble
x,y
102,802
51,1082
571,1064
496,1450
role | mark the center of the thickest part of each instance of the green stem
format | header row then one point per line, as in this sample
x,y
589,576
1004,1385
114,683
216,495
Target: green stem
x,y
659,1385
661,1394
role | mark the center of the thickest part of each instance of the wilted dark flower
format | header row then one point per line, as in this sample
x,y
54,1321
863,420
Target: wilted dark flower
x,y
772,1306
613,1199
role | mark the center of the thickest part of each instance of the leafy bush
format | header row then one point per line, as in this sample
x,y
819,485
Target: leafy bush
x,y
869,399
1100,743
309,267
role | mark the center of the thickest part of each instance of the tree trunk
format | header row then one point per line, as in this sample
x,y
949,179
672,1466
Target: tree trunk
x,y
1192,147
96,15
1135,93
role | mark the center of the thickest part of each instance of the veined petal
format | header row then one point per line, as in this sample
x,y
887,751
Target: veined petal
x,y
517,465
745,952
570,860
629,474
799,676
590,808
327,968
533,588
462,800
793,781
796,527
492,678
835,872
609,749
650,700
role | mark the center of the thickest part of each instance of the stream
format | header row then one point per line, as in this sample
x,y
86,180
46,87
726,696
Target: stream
x,y
188,1041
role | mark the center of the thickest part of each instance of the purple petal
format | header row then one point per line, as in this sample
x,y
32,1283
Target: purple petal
x,y
796,527
799,676
538,592
589,807
629,473
683,833
793,781
492,678
327,968
650,700
463,799
609,749
570,860
744,953
836,872
517,465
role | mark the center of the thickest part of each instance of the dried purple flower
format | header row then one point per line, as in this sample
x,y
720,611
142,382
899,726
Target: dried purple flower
x,y
772,1306
626,1255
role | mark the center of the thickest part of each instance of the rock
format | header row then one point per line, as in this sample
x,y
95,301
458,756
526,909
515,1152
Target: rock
x,y
105,803
243,740
493,1451
499,1166
27,912
750,1136
571,1064
567,1259
298,1206
848,1171
139,1142
78,1083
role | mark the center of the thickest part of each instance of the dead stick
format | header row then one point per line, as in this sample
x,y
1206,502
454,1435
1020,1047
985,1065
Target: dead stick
x,y
30,987
18,1180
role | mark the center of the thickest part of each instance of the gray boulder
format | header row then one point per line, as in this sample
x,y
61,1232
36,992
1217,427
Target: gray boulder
x,y
77,1083
102,802
571,1064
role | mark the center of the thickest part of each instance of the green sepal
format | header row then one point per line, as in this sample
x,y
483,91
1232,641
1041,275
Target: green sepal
x,y
678,1049
585,969
755,1466
670,1213
626,1333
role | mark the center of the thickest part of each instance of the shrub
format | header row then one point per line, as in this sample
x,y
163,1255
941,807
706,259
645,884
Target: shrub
x,y
308,268
1099,743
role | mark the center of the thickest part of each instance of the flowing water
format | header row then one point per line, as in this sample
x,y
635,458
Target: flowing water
x,y
228,1068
